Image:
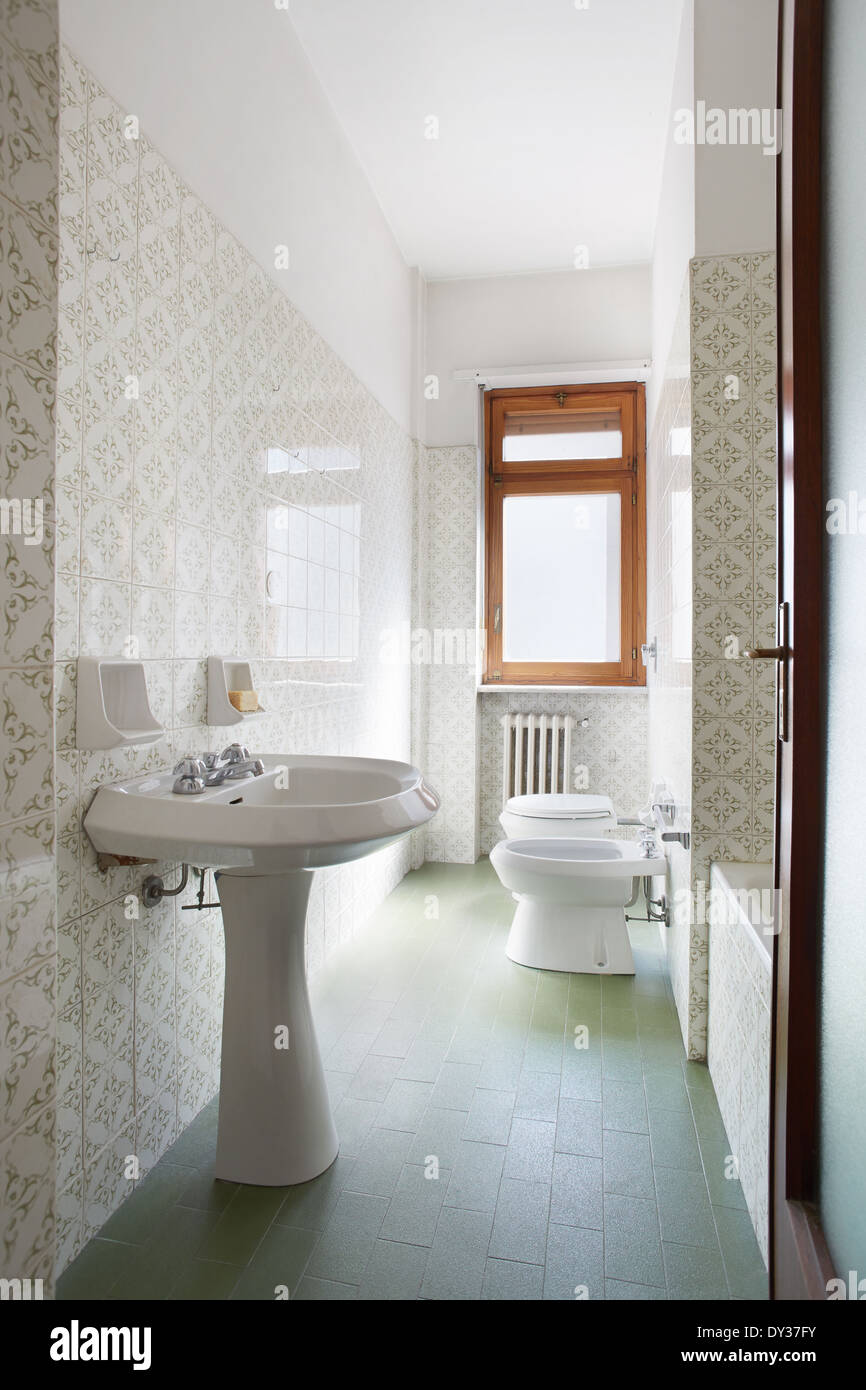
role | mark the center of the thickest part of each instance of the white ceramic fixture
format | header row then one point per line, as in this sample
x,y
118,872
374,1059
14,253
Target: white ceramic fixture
x,y
225,674
557,813
112,708
571,901
264,834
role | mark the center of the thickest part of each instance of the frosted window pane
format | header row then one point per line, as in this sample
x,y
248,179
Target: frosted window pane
x,y
561,581
586,434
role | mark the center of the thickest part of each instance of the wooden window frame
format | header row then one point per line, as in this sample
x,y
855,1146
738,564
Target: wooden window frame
x,y
625,475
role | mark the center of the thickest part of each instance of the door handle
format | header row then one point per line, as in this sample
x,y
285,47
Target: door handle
x,y
497,618
780,654
766,653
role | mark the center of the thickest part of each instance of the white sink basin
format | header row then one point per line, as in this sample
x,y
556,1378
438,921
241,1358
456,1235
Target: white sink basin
x,y
264,835
301,813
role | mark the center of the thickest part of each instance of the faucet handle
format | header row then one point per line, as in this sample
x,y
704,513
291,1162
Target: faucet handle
x,y
235,753
190,766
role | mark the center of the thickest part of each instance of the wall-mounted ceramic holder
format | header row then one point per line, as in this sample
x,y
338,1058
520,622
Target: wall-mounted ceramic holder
x,y
113,710
225,674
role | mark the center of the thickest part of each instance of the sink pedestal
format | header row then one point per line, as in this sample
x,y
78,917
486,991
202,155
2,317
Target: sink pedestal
x,y
275,1122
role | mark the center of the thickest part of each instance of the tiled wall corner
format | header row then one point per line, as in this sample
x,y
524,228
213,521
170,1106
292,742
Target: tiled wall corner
x,y
224,485
733,365
445,645
28,318
738,1053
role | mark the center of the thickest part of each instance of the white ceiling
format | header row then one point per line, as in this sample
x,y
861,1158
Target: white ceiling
x,y
553,123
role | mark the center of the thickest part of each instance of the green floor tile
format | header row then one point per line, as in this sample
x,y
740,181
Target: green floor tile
x,y
205,1192
238,1230
624,1106
458,1256
414,1208
694,1274
512,1281
394,1272
574,1267
446,1049
617,1289
666,1090
632,1247
475,1177
576,1191
719,1167
673,1139
684,1208
520,1224
197,1145
277,1265
203,1281
628,1169
747,1275
95,1271
311,1204
344,1249
178,1234
579,1127
325,1290
143,1209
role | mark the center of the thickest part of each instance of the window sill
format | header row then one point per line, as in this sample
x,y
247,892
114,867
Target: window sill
x,y
494,688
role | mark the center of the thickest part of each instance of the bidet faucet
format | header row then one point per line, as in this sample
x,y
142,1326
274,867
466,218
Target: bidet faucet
x,y
664,814
648,844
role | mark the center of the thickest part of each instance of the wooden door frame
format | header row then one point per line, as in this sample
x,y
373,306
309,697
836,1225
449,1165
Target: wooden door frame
x,y
800,1263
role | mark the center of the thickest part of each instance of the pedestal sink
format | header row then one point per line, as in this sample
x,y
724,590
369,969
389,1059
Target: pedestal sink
x,y
265,835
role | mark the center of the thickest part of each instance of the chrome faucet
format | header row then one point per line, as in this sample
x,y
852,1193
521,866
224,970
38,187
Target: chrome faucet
x,y
664,814
194,775
648,847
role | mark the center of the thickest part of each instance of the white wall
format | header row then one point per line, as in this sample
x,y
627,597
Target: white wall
x,y
525,320
675,228
225,92
735,185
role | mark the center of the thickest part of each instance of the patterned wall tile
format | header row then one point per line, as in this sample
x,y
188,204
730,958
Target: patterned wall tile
x,y
29,191
205,406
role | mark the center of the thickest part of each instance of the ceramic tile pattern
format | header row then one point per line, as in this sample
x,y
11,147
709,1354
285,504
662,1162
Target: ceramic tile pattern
x,y
483,1155
226,486
738,1054
733,336
712,542
28,314
712,594
445,624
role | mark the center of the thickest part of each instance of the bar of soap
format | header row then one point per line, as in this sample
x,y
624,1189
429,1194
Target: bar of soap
x,y
247,701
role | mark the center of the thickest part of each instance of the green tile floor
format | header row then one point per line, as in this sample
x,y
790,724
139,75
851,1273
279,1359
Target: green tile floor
x,y
482,1155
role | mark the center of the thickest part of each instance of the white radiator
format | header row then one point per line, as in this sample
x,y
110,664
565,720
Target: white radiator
x,y
536,754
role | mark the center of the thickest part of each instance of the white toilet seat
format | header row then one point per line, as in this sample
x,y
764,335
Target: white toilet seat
x,y
562,806
557,813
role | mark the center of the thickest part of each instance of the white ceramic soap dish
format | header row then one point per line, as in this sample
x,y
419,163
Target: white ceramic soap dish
x,y
226,674
113,710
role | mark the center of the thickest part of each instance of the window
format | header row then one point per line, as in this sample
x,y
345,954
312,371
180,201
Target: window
x,y
565,527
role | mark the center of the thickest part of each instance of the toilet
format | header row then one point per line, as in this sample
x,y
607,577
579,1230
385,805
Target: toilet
x,y
571,896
